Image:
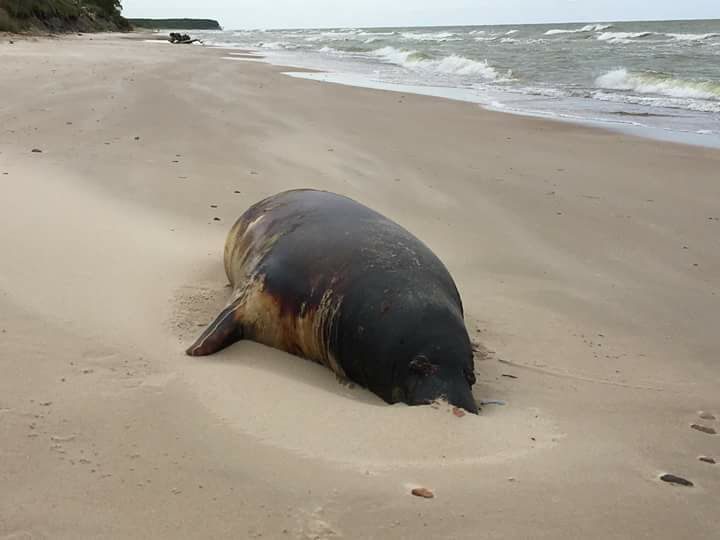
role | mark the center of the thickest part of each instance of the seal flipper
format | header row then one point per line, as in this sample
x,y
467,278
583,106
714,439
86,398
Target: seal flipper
x,y
222,332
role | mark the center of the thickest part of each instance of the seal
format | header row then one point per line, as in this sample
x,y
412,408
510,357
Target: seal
x,y
326,278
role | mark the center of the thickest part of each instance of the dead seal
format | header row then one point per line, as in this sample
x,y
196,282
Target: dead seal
x,y
323,277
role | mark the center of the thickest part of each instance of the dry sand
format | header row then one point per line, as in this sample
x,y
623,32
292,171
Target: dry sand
x,y
589,264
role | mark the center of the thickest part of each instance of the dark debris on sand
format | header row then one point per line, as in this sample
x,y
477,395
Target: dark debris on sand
x,y
704,429
676,480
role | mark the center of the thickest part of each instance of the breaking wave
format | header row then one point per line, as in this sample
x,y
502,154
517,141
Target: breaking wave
x,y
453,64
587,28
432,36
659,84
692,37
622,37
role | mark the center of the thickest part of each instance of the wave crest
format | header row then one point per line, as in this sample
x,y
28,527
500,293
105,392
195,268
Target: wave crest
x,y
453,64
622,37
440,37
654,83
692,37
584,29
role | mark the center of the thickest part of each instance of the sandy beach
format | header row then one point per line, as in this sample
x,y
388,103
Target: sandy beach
x,y
588,262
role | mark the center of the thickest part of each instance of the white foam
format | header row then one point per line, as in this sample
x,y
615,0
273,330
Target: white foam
x,y
542,91
454,64
661,102
377,33
622,37
692,37
588,28
622,79
432,36
273,45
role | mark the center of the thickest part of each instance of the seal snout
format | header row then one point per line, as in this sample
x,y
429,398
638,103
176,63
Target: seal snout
x,y
431,384
463,398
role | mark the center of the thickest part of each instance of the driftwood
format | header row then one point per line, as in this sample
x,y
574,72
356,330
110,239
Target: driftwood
x,y
183,39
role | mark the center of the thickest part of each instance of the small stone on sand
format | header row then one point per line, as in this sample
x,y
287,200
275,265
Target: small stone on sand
x,y
36,151
707,459
458,412
425,493
216,219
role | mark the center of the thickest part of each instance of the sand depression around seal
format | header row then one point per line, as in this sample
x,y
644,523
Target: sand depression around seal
x,y
300,406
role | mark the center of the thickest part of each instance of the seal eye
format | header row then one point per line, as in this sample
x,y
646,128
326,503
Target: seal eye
x,y
420,364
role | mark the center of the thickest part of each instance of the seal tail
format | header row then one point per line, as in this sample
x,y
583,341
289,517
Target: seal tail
x,y
222,332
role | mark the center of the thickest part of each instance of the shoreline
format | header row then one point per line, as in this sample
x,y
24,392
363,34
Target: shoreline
x,y
618,79
459,94
627,127
587,262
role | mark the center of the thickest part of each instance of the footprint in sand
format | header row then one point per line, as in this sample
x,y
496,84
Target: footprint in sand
x,y
708,417
315,527
702,428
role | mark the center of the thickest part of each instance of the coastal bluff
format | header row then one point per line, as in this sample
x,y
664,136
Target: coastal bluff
x,y
176,24
60,16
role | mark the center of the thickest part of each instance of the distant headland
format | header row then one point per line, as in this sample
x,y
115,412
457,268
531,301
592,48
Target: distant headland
x,y
176,24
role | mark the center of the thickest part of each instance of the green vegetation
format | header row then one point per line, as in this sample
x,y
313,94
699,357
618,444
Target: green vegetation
x,y
176,24
61,15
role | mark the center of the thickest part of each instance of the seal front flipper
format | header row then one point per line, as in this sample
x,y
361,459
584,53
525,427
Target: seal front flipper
x,y
225,330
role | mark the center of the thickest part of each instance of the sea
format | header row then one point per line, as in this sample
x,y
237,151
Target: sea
x,y
656,79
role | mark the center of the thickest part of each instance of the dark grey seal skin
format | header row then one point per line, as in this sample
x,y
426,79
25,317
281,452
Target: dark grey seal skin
x,y
323,277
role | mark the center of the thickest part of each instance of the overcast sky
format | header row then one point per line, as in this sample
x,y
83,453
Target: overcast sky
x,y
235,14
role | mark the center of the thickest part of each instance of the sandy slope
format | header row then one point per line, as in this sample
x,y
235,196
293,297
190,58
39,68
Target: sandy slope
x,y
587,262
